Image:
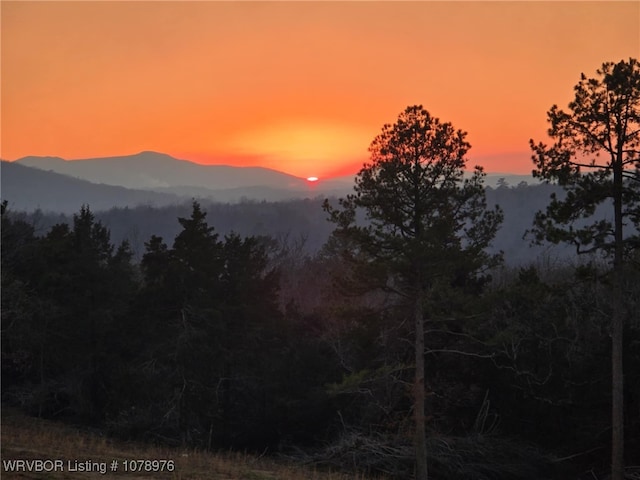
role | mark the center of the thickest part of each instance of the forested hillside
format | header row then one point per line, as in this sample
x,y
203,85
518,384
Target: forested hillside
x,y
243,341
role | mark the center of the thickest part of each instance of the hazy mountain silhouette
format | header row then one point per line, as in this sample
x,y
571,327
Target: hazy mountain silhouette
x,y
163,173
152,170
162,180
27,188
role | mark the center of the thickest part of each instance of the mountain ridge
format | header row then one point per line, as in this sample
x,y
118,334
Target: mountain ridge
x,y
151,170
30,188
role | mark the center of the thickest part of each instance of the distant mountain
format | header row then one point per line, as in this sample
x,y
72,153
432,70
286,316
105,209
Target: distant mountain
x,y
27,188
165,174
285,213
161,172
154,178
150,170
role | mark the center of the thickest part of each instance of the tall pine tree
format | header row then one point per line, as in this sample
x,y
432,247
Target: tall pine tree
x,y
595,156
426,225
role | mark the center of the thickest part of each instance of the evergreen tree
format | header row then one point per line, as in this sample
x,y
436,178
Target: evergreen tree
x,y
20,304
78,289
210,306
427,226
595,156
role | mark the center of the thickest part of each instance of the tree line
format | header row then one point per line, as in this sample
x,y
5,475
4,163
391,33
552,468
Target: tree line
x,y
403,347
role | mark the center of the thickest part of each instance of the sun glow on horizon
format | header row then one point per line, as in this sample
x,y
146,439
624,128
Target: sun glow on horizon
x,y
298,147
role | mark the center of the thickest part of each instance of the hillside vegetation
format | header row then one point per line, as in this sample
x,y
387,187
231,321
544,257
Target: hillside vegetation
x,y
247,343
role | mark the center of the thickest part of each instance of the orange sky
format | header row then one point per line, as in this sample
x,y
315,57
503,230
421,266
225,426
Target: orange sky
x,y
301,87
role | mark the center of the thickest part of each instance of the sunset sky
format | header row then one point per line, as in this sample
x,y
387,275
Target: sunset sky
x,y
301,87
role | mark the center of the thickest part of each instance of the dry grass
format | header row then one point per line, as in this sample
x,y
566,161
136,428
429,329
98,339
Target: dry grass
x,y
34,439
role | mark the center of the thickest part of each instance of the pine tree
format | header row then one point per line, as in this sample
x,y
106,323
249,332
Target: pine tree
x,y
426,225
595,156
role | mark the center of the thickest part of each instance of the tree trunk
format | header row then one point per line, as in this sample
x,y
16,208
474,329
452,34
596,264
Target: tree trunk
x,y
617,396
419,395
617,326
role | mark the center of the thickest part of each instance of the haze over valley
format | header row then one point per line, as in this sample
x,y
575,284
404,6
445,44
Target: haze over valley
x,y
142,195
